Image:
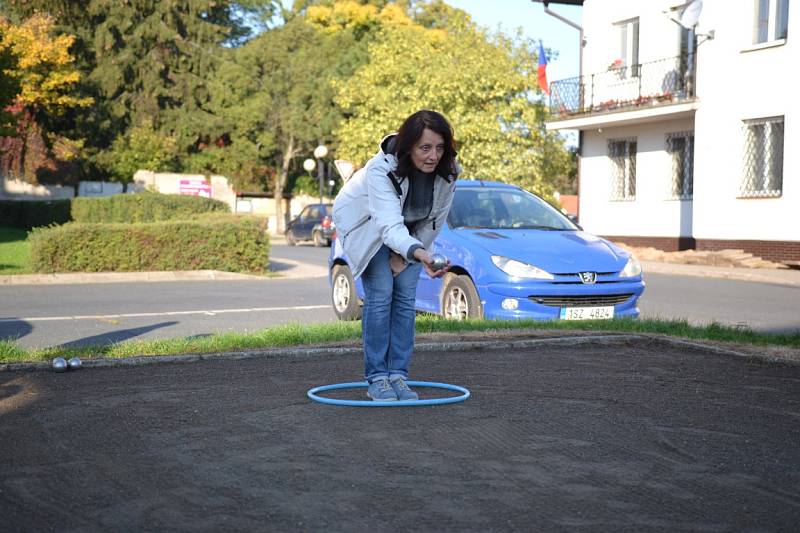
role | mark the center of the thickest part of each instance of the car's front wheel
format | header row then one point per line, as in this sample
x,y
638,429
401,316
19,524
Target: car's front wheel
x,y
343,293
460,299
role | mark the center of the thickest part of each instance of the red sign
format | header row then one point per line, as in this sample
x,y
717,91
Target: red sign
x,y
195,187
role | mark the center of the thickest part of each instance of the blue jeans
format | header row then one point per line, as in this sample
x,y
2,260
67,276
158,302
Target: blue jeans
x,y
388,319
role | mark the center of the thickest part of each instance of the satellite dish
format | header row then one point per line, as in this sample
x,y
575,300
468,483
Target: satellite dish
x,y
691,14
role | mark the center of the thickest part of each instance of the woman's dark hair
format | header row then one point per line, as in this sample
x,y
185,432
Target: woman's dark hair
x,y
411,131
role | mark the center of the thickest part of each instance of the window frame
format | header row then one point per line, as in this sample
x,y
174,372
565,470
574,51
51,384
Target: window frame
x,y
770,21
757,178
681,181
629,32
623,176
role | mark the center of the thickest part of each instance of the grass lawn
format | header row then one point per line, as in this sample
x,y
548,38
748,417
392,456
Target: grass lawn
x,y
14,251
350,332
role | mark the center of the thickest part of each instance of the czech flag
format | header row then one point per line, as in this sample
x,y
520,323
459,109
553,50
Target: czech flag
x,y
542,70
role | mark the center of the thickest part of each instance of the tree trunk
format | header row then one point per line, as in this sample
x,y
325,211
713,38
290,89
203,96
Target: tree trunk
x,y
280,183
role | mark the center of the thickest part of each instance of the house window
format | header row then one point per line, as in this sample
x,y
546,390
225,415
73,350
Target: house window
x,y
622,154
763,158
629,47
680,147
771,21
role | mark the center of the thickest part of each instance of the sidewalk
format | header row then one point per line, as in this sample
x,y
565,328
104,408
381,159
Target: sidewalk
x,y
758,275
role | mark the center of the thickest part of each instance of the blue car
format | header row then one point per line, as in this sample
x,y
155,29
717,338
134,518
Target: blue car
x,y
513,256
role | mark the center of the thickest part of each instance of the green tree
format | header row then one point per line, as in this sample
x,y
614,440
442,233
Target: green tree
x,y
276,99
483,83
149,60
142,148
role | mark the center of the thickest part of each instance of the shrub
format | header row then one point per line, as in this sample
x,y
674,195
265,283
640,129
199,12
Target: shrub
x,y
214,242
144,207
27,214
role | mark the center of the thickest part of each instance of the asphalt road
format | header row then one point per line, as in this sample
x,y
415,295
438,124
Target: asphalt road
x,y
84,314
626,436
761,306
49,315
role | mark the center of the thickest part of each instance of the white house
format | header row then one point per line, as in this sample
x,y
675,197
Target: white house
x,y
689,134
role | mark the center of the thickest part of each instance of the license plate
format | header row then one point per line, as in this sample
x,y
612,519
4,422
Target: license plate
x,y
587,313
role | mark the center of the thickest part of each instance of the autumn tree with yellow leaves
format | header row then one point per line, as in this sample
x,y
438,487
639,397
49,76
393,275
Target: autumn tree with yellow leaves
x,y
46,78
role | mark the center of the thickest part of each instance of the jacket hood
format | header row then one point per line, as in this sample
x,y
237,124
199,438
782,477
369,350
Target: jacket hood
x,y
388,143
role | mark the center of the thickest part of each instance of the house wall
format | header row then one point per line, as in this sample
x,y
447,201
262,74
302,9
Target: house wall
x,y
735,81
22,190
652,213
658,36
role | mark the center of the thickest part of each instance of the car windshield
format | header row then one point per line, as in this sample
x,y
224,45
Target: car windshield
x,y
495,208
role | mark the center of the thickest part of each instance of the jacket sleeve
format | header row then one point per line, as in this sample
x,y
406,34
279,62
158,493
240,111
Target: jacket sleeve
x,y
384,205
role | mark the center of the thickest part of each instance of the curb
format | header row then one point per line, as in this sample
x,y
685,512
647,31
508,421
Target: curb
x,y
599,338
292,269
119,277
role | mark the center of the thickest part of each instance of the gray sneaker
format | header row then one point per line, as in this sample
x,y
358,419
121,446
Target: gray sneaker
x,y
380,391
402,389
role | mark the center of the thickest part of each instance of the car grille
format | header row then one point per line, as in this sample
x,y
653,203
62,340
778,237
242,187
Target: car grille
x,y
573,278
593,300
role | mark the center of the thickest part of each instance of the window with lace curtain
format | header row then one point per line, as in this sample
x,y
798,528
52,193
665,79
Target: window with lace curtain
x,y
622,155
680,147
763,158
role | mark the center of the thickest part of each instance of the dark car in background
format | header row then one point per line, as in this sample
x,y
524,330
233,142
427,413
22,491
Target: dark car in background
x,y
313,224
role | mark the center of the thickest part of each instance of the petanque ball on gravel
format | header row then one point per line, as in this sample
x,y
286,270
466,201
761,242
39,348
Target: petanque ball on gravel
x,y
439,262
59,364
74,363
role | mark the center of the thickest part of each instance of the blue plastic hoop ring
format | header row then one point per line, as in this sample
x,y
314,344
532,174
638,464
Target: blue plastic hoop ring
x,y
312,393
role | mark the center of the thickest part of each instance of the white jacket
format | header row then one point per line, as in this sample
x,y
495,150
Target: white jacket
x,y
368,211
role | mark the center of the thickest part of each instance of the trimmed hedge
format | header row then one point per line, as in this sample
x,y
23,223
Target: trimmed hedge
x,y
214,242
143,207
27,214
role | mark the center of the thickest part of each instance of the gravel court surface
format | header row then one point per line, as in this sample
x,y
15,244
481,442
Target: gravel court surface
x,y
637,435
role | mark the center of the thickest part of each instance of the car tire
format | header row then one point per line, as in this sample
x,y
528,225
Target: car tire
x,y
346,304
290,240
319,242
460,299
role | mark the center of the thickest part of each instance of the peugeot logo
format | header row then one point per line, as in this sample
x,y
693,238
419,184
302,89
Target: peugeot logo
x,y
588,277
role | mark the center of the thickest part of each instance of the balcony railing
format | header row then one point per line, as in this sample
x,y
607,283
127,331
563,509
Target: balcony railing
x,y
623,87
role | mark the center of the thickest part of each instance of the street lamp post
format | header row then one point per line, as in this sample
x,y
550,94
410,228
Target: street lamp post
x,y
320,152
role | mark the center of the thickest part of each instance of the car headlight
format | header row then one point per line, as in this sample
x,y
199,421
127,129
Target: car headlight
x,y
632,268
518,269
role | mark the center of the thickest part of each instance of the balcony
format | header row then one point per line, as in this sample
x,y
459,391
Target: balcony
x,y
628,92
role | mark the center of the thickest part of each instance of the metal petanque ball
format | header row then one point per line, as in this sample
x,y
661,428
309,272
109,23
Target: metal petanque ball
x,y
59,364
439,262
74,363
